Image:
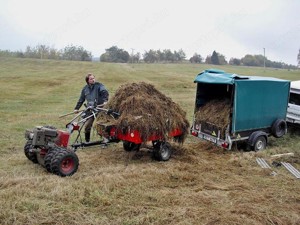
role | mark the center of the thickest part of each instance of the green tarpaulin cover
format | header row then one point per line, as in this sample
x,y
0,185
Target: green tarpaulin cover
x,y
258,101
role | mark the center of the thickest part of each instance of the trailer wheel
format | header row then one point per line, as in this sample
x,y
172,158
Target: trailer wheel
x,y
260,143
30,155
156,144
163,153
279,128
64,163
130,146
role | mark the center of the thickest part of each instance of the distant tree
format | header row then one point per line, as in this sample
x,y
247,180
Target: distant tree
x,y
235,61
135,58
169,55
179,55
249,60
215,58
30,52
259,60
222,59
115,54
42,51
160,56
7,53
54,54
208,59
76,53
150,56
196,58
165,55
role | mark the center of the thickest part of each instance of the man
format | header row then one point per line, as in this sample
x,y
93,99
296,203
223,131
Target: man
x,y
94,93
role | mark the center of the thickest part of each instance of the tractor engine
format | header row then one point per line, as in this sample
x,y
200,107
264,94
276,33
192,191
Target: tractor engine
x,y
47,146
47,136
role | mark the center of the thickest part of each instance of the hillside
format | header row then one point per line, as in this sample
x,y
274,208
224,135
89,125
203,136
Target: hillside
x,y
201,184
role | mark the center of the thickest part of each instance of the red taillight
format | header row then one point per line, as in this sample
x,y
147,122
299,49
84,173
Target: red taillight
x,y
225,145
195,133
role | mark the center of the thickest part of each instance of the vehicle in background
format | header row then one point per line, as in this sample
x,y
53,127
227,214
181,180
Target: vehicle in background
x,y
254,108
293,111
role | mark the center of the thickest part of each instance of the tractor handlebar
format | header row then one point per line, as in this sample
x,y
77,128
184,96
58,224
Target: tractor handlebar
x,y
91,111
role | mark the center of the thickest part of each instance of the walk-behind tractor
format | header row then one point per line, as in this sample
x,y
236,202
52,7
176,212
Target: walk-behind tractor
x,y
50,147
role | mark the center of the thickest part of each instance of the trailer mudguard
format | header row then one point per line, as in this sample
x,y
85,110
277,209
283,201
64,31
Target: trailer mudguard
x,y
255,135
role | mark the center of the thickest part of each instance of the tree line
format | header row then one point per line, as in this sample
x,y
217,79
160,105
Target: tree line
x,y
118,55
70,52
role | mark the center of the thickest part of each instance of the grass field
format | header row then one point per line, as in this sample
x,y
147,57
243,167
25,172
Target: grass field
x,y
201,184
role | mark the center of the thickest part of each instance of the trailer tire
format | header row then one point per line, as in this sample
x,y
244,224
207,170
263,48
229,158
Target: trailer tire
x,y
260,143
156,144
278,128
64,163
30,155
130,146
164,152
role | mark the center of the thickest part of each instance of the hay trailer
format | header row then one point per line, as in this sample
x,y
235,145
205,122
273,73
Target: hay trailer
x,y
257,108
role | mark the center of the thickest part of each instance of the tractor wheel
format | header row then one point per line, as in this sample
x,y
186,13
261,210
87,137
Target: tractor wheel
x,y
49,156
30,155
163,153
130,146
64,163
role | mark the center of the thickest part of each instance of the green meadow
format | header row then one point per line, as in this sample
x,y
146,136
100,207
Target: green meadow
x,y
200,184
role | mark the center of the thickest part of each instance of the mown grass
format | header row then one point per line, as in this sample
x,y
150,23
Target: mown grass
x,y
201,184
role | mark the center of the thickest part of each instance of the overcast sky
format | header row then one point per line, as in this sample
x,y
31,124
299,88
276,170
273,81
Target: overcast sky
x,y
233,28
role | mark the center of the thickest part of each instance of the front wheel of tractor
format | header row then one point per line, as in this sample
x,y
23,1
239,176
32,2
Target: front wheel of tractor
x,y
64,163
28,153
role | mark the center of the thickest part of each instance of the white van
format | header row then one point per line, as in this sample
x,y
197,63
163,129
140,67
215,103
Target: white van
x,y
293,111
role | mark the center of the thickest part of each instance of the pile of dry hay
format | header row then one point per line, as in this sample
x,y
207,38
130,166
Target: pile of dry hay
x,y
215,112
145,109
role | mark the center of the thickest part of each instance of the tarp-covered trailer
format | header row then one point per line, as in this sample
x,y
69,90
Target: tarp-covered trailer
x,y
257,108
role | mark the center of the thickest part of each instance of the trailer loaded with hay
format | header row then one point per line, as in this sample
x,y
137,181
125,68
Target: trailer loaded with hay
x,y
146,115
230,108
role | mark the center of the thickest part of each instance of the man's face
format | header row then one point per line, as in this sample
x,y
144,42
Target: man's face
x,y
91,79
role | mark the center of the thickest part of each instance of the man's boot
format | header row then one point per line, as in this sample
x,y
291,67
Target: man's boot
x,y
87,136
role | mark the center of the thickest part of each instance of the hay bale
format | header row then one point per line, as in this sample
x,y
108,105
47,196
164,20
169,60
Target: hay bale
x,y
215,112
145,109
